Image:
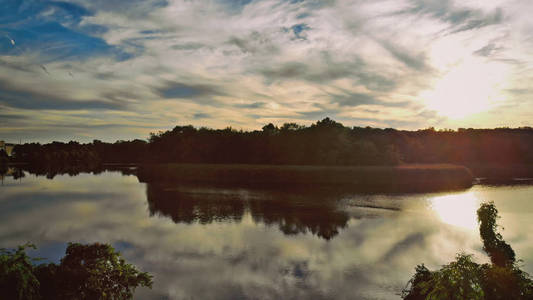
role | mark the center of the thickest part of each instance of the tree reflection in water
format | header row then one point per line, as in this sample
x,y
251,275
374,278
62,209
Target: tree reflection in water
x,y
293,211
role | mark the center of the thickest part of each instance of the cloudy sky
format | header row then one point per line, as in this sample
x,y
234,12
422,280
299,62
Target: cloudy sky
x,y
115,69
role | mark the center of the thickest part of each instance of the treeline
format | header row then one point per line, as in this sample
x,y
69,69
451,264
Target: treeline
x,y
57,153
74,154
325,142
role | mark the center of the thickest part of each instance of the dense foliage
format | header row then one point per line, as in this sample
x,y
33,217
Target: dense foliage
x,y
17,274
501,254
466,279
325,142
93,271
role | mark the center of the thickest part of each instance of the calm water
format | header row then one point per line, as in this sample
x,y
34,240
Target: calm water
x,y
231,243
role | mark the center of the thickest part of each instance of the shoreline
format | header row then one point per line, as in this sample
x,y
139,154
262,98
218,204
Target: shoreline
x,y
387,178
403,177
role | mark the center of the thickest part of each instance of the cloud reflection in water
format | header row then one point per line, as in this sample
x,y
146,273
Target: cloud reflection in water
x,y
231,244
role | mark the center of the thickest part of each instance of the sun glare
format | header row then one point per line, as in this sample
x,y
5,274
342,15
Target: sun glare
x,y
457,209
469,88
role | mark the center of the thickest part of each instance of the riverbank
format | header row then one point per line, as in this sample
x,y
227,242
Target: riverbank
x,y
407,177
502,174
386,178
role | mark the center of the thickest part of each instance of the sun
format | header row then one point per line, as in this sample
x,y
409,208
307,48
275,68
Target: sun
x,y
466,89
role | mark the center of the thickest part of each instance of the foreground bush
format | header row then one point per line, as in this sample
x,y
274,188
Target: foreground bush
x,y
466,279
93,271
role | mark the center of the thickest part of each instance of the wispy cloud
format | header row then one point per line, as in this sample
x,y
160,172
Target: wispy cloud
x,y
241,63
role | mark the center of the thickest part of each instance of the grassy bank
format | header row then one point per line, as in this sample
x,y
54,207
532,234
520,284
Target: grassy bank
x,y
404,177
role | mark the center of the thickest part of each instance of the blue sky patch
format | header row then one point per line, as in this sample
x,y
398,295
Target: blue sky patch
x,y
51,29
299,30
182,90
235,6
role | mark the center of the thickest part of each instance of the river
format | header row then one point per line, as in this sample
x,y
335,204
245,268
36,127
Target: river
x,y
243,243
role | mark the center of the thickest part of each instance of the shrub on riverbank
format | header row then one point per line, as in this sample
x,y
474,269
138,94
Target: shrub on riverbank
x,y
466,279
93,271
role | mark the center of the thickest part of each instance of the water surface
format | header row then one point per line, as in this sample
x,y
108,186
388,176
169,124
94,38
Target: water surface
x,y
237,243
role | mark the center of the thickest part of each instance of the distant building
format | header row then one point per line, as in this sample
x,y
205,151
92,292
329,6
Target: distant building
x,y
8,148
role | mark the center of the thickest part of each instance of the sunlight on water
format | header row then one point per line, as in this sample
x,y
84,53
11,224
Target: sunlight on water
x,y
259,243
457,209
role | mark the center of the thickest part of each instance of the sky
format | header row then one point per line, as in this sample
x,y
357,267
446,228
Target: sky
x,y
118,70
